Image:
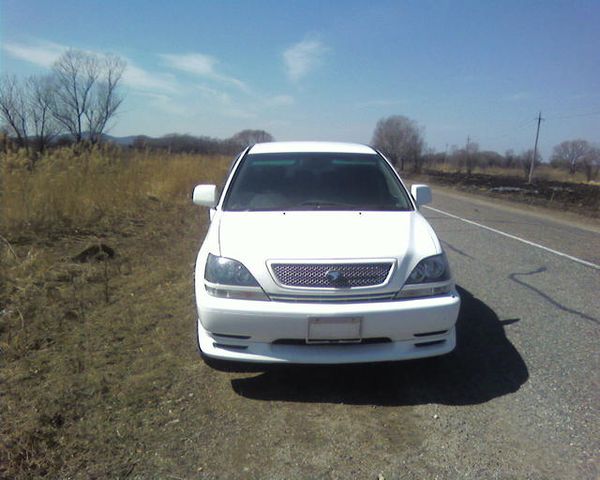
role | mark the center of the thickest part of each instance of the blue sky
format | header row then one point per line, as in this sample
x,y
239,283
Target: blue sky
x,y
328,70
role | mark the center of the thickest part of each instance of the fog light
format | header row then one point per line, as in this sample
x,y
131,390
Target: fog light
x,y
223,291
424,291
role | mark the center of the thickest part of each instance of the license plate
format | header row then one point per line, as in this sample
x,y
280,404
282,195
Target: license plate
x,y
334,330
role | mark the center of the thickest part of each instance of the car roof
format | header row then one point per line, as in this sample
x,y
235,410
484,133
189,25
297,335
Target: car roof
x,y
291,147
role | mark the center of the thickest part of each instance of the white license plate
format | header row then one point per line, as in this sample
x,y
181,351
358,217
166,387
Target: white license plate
x,y
334,330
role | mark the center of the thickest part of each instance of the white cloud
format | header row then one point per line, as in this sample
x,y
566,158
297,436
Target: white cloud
x,y
223,103
202,66
246,108
164,103
141,79
303,57
213,94
196,63
43,54
167,90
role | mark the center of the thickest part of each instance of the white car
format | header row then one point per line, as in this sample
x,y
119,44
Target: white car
x,y
317,254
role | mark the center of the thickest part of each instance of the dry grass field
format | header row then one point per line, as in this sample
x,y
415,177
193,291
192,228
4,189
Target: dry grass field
x,y
89,369
99,377
544,172
95,188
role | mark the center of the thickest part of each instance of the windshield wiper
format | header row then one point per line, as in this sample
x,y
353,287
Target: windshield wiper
x,y
319,204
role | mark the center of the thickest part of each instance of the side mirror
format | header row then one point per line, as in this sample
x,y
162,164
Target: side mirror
x,y
205,195
421,194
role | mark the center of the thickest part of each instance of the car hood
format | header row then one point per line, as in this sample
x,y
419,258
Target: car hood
x,y
256,237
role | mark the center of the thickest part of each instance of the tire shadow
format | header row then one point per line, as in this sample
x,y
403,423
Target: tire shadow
x,y
484,365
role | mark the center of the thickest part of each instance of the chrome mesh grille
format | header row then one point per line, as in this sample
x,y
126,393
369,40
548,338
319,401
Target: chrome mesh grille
x,y
315,275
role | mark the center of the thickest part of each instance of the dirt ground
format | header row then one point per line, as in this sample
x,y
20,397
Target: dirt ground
x,y
96,356
101,378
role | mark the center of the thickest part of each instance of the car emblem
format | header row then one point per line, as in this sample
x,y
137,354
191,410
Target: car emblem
x,y
335,277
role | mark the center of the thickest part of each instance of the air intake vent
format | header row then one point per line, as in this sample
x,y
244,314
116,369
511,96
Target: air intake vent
x,y
356,298
301,341
430,344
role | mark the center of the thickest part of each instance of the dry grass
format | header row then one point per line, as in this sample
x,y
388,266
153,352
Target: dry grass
x,y
95,187
94,355
542,172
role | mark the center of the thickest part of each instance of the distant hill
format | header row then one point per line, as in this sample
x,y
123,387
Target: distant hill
x,y
176,143
123,141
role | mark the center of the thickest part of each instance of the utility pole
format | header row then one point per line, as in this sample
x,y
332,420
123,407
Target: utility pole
x,y
537,135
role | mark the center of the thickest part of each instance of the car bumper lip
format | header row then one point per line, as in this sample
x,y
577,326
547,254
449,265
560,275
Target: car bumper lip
x,y
244,330
261,352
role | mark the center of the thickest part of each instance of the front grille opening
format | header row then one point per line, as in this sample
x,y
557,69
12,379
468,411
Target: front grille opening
x,y
302,341
230,347
430,344
429,334
319,275
228,335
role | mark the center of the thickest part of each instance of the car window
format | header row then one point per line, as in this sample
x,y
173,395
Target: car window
x,y
315,181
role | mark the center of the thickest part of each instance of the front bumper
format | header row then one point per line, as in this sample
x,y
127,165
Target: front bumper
x,y
273,332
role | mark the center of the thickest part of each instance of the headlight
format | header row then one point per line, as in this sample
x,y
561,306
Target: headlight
x,y
430,277
430,269
228,278
226,271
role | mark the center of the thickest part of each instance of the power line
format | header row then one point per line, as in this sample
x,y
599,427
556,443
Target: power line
x,y
528,121
510,132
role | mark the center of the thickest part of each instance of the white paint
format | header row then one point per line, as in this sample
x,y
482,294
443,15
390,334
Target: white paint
x,y
519,239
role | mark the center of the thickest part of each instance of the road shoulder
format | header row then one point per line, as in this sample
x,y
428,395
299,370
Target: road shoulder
x,y
566,218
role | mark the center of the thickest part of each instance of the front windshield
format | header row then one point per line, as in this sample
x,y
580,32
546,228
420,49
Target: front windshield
x,y
315,181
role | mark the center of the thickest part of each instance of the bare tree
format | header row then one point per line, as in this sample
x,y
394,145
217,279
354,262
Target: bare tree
x,y
250,137
590,163
14,109
86,92
525,158
399,139
40,98
75,73
106,99
569,153
25,108
471,154
467,157
510,159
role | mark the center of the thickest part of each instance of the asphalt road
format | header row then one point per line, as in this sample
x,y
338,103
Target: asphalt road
x,y
518,399
546,313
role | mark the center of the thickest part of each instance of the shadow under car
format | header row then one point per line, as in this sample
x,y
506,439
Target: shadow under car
x,y
484,365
